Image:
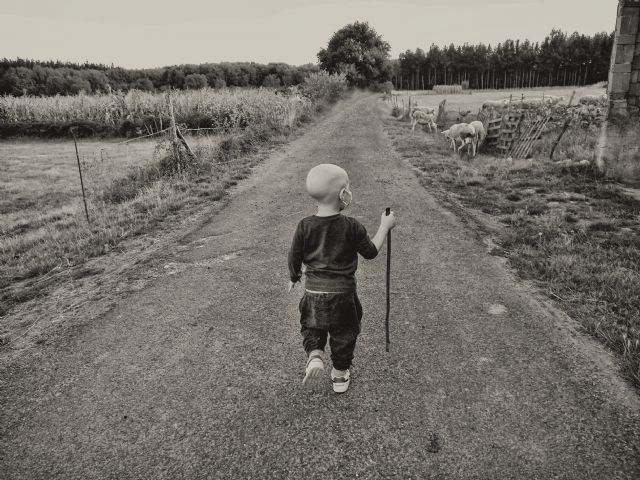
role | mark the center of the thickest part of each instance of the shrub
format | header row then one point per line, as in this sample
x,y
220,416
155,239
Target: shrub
x,y
195,81
386,87
323,85
271,81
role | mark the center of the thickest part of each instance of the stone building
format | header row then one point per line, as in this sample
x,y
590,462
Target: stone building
x,y
624,73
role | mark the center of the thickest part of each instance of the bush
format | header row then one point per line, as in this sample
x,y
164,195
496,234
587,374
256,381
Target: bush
x,y
386,87
323,85
195,81
271,81
125,188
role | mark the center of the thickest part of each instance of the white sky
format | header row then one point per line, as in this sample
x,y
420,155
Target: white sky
x,y
150,33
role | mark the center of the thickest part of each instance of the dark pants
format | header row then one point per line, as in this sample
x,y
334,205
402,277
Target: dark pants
x,y
336,315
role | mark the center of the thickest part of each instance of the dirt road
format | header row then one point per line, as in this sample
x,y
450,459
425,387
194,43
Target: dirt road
x,y
198,375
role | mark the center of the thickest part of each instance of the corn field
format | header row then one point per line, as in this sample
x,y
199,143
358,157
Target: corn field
x,y
218,109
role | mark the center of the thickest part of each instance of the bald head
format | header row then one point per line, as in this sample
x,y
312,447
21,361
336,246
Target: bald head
x,y
326,180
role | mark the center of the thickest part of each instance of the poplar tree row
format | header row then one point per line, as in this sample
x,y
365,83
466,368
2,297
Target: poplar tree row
x,y
559,60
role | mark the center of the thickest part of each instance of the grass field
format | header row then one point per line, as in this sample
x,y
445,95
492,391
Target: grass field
x,y
563,226
474,100
131,187
42,223
43,175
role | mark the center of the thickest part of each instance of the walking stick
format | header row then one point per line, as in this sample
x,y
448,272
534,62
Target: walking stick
x,y
386,321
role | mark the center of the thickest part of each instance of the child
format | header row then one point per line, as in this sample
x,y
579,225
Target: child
x,y
328,244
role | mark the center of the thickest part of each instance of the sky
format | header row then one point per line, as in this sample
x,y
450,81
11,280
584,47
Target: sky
x,y
146,33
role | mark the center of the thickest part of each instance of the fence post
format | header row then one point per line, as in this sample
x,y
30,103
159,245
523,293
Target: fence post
x,y
173,131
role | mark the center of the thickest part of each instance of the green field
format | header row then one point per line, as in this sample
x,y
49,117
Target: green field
x,y
563,226
473,101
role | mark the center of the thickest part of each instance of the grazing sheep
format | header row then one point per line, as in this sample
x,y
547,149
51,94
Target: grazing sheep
x,y
553,99
480,135
495,104
463,132
422,118
462,115
531,102
432,110
593,99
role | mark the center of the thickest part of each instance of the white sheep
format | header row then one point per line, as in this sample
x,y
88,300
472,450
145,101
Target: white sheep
x,y
494,104
553,99
481,134
422,118
463,132
593,99
432,110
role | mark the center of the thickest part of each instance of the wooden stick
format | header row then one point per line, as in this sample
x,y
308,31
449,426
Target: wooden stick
x,y
184,142
84,198
173,130
386,321
567,122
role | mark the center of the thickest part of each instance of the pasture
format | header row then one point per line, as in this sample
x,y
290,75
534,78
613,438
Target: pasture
x,y
473,100
131,186
572,232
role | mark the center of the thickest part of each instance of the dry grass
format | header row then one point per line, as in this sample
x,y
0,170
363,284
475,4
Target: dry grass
x,y
43,229
621,157
130,187
476,98
565,227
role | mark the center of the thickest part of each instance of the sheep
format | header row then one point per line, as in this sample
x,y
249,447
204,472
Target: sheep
x,y
480,135
532,102
494,104
462,115
553,100
463,132
593,99
422,118
432,110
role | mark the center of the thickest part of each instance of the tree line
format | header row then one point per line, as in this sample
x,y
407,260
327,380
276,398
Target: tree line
x,y
355,50
561,59
30,77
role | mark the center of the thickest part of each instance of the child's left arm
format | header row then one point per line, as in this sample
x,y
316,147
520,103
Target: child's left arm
x,y
295,258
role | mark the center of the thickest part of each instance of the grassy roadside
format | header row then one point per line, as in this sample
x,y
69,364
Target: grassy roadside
x,y
561,226
36,247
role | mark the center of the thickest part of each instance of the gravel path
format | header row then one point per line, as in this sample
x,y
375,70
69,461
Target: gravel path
x,y
198,375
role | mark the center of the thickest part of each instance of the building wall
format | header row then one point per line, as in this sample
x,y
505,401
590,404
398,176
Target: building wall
x,y
624,73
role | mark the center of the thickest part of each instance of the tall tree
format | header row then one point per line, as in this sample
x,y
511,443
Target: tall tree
x,y
359,52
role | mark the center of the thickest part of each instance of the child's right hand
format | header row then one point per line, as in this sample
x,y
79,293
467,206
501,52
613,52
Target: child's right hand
x,y
388,221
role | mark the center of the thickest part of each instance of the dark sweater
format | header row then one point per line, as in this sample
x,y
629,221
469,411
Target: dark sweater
x,y
329,248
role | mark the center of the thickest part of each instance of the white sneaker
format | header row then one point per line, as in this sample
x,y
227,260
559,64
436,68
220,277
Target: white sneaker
x,y
340,379
315,368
